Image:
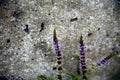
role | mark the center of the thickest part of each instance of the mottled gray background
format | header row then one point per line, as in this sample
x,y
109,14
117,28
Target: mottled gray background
x,y
29,52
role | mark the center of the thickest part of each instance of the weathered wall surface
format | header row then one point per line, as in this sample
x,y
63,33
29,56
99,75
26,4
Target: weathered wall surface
x,y
26,34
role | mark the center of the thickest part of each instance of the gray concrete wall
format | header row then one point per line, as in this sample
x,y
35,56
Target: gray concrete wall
x,y
27,50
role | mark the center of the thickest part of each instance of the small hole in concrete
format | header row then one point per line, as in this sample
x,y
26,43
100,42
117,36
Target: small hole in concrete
x,y
8,40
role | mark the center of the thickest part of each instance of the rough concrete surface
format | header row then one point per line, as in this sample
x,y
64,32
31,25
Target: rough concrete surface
x,y
26,36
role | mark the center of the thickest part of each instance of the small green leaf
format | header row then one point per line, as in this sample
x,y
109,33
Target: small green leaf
x,y
73,77
76,56
49,78
93,67
41,77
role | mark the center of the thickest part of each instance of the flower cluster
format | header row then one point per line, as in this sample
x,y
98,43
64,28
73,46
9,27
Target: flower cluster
x,y
82,69
82,62
105,60
58,53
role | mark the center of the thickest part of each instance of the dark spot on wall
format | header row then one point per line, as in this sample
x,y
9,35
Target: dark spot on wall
x,y
54,68
26,29
8,40
45,54
18,48
113,48
16,14
61,20
107,35
32,59
42,26
49,14
98,29
16,53
117,33
89,34
73,19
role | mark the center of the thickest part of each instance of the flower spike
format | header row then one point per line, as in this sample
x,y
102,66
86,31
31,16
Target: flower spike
x,y
82,62
58,54
105,60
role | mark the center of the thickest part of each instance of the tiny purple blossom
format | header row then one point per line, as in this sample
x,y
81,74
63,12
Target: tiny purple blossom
x,y
55,42
81,47
105,60
102,61
82,56
58,53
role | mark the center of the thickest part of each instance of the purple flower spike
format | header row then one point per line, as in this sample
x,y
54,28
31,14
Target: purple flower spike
x,y
82,62
55,41
105,60
58,54
102,61
81,46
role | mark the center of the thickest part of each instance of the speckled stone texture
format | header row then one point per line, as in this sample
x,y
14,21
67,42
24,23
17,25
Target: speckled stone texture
x,y
26,36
